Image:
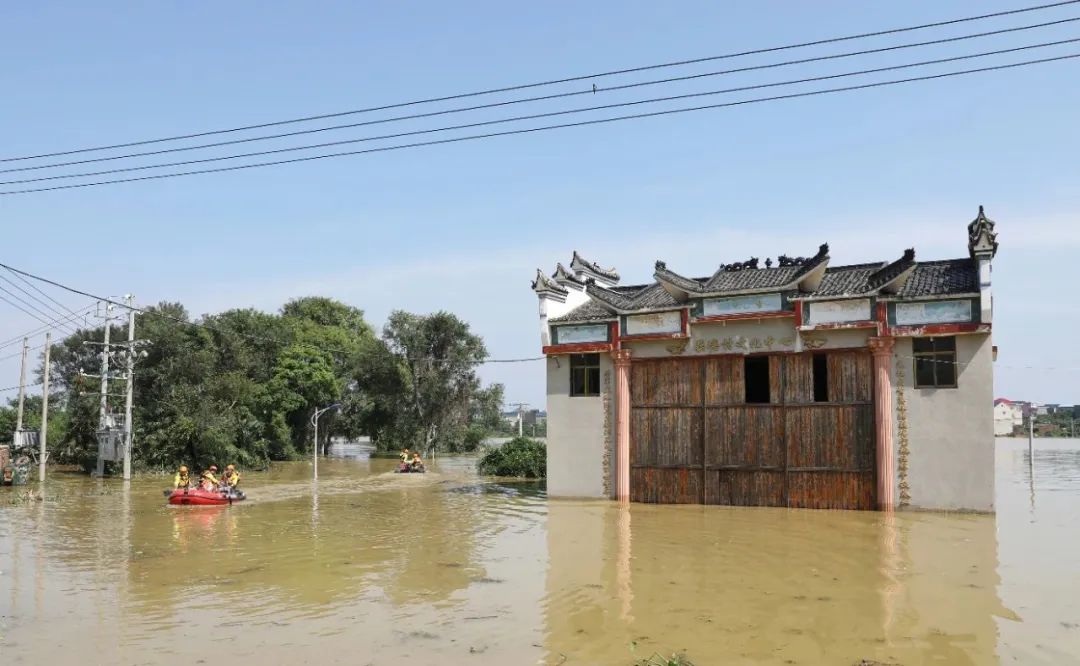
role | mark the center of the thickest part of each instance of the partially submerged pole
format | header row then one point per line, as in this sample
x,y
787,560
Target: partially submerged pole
x,y
128,399
22,386
44,410
315,447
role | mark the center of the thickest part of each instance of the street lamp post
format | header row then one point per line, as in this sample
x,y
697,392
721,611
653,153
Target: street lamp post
x,y
315,444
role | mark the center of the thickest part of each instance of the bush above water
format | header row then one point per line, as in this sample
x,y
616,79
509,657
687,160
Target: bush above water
x,y
521,457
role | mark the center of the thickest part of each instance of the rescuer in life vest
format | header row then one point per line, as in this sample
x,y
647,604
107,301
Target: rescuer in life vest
x,y
182,480
404,455
231,478
209,480
417,464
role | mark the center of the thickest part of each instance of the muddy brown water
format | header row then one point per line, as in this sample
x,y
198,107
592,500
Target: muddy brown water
x,y
447,568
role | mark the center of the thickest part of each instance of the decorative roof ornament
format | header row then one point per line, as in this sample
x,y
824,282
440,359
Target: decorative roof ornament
x,y
611,300
748,265
562,276
580,264
768,262
823,251
544,284
982,239
892,277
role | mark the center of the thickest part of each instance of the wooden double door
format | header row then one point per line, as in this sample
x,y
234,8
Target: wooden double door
x,y
694,438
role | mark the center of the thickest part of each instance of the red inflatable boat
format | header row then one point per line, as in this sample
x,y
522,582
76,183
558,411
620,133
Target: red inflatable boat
x,y
200,497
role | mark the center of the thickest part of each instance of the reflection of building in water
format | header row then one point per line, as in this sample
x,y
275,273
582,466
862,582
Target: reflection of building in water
x,y
800,384
765,586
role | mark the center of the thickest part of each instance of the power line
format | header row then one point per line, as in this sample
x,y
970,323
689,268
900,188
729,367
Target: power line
x,y
571,79
37,331
529,130
19,353
549,114
587,91
46,320
16,387
52,311
38,290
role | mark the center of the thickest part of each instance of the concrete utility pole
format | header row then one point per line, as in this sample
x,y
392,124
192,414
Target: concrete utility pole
x,y
44,410
104,406
521,416
315,445
22,386
130,388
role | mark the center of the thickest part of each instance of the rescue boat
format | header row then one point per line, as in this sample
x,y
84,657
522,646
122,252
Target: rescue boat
x,y
200,497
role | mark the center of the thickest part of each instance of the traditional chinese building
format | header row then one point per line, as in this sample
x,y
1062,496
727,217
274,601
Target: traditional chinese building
x,y
789,383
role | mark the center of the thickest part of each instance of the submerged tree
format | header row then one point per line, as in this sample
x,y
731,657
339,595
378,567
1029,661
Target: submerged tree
x,y
241,387
439,355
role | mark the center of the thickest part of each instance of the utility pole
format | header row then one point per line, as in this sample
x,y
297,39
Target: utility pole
x,y
130,388
44,410
315,445
104,406
521,416
103,422
22,386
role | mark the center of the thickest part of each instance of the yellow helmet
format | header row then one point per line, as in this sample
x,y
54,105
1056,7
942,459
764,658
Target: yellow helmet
x,y
183,469
230,468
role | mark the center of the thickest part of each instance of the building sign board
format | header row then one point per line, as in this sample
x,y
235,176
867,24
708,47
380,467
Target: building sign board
x,y
933,312
655,322
565,335
837,312
712,307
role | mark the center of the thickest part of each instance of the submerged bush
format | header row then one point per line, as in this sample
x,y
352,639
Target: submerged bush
x,y
520,457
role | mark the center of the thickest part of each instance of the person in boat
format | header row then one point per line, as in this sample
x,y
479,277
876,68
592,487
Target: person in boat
x,y
416,463
209,478
182,480
231,478
404,455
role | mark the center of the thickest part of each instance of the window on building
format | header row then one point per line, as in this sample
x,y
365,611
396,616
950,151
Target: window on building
x,y
584,375
821,378
756,377
935,362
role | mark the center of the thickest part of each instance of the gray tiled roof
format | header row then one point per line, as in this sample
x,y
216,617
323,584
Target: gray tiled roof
x,y
590,311
941,278
579,261
754,278
930,278
847,280
641,297
893,271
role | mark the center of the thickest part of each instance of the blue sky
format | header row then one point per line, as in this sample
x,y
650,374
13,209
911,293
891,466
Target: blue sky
x,y
463,227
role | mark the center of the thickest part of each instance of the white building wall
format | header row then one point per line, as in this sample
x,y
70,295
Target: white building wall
x,y
578,449
1006,417
949,432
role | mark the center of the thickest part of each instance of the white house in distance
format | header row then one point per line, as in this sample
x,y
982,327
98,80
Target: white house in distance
x,y
789,383
1008,415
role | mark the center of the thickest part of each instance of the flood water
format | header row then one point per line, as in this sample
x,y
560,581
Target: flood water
x,y
447,568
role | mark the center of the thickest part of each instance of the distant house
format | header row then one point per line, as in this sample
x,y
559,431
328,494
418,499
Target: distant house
x,y
1008,415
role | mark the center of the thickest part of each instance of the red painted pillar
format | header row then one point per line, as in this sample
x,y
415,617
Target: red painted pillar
x,y
881,349
622,424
